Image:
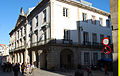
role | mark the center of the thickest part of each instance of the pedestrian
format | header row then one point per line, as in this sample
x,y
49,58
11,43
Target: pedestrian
x,y
89,71
16,69
13,66
79,66
3,67
18,64
32,67
25,70
106,69
22,68
29,68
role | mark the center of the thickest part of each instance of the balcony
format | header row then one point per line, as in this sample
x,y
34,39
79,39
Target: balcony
x,y
36,29
34,44
86,44
23,35
63,42
67,41
31,33
20,48
96,45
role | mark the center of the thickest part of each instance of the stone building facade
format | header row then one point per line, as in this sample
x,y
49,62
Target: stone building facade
x,y
60,33
114,24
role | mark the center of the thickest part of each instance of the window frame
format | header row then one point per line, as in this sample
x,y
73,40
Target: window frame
x,y
94,38
66,34
101,35
84,18
36,20
44,15
85,34
93,20
108,21
65,12
100,21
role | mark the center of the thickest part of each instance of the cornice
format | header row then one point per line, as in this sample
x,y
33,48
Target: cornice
x,y
90,8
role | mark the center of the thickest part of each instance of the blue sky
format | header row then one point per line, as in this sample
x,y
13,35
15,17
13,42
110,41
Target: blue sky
x,y
10,10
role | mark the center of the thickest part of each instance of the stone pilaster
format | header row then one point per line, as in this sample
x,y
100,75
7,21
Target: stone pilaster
x,y
33,56
21,54
114,23
42,59
15,58
82,58
18,58
53,59
26,56
75,56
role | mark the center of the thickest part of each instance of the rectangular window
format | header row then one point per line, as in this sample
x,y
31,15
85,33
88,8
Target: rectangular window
x,y
30,25
25,29
108,23
85,37
36,36
44,16
18,34
65,12
101,21
86,58
94,38
67,34
84,17
36,20
93,20
21,32
95,56
101,38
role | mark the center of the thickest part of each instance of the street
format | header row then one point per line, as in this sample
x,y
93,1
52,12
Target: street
x,y
38,72
7,73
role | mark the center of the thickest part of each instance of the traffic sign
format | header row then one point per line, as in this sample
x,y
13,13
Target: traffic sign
x,y
105,41
106,50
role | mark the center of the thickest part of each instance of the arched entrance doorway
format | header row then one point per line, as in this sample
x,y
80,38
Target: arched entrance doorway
x,y
66,59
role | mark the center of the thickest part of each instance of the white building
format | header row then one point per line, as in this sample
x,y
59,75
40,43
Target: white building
x,y
4,52
60,33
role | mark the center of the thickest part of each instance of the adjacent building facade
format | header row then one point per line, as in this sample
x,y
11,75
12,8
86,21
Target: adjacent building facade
x,y
4,52
60,33
114,24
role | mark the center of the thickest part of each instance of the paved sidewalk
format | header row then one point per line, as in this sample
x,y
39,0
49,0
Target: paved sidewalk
x,y
38,72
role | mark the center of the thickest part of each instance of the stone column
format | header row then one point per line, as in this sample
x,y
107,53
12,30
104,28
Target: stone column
x,y
21,54
18,58
15,58
33,56
41,59
82,58
26,56
75,58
